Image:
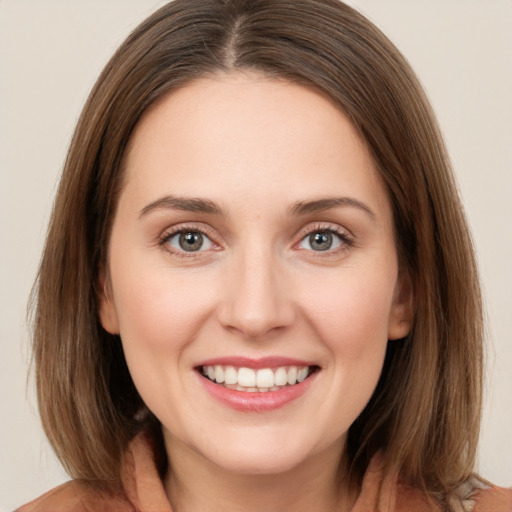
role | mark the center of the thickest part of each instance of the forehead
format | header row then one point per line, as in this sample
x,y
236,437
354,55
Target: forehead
x,y
244,133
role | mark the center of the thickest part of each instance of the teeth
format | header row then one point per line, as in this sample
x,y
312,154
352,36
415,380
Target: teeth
x,y
262,380
230,375
281,377
291,375
265,378
219,374
246,377
302,374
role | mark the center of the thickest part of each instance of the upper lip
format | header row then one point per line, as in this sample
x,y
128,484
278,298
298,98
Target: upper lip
x,y
263,362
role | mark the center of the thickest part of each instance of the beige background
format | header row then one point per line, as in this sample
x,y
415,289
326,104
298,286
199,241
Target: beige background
x,y
51,51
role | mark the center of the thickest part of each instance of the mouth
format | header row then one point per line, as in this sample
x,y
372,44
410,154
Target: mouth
x,y
260,380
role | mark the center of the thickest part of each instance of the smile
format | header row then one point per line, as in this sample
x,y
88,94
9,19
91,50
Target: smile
x,y
259,380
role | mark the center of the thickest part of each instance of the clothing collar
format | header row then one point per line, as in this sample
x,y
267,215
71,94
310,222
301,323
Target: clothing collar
x,y
144,487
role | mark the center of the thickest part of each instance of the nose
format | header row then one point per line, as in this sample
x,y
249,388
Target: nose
x,y
256,299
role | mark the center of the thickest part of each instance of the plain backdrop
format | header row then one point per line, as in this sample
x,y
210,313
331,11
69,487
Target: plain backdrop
x,y
51,52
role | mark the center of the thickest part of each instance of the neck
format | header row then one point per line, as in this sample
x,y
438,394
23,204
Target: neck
x,y
195,484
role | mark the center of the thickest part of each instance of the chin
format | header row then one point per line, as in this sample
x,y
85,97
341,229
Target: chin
x,y
261,453
259,462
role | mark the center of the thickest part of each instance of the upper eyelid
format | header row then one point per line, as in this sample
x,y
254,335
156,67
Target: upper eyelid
x,y
324,226
180,228
309,228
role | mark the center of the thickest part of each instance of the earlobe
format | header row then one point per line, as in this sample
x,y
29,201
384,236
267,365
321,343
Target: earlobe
x,y
106,308
402,310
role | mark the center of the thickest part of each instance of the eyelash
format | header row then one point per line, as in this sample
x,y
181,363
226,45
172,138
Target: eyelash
x,y
182,229
344,237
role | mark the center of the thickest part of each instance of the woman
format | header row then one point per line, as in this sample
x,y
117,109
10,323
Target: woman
x,y
256,225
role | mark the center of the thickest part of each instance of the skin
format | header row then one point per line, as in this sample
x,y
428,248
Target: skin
x,y
255,147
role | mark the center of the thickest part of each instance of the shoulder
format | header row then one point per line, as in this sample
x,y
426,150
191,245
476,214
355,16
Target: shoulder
x,y
474,495
490,498
80,496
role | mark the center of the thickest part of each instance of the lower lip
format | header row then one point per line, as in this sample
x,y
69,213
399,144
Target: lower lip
x,y
254,401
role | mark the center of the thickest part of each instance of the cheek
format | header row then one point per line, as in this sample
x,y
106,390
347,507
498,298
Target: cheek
x,y
159,310
160,314
352,322
351,313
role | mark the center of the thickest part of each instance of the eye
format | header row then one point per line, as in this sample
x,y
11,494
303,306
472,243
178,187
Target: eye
x,y
322,240
188,241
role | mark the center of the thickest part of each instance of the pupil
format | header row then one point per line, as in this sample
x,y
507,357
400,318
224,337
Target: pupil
x,y
320,241
191,241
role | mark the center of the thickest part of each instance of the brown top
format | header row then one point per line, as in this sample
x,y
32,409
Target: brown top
x,y
142,490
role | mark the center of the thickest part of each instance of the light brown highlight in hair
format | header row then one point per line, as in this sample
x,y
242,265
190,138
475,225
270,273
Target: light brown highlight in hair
x,y
425,413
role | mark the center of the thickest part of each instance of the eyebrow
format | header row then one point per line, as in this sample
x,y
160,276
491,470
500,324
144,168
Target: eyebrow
x,y
195,204
320,205
186,204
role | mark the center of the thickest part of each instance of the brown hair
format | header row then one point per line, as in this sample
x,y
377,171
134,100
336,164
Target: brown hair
x,y
425,412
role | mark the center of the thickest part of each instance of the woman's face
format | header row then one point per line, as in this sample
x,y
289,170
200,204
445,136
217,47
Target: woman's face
x,y
253,242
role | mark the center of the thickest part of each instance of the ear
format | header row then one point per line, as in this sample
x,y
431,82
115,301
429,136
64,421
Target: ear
x,y
106,308
402,309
